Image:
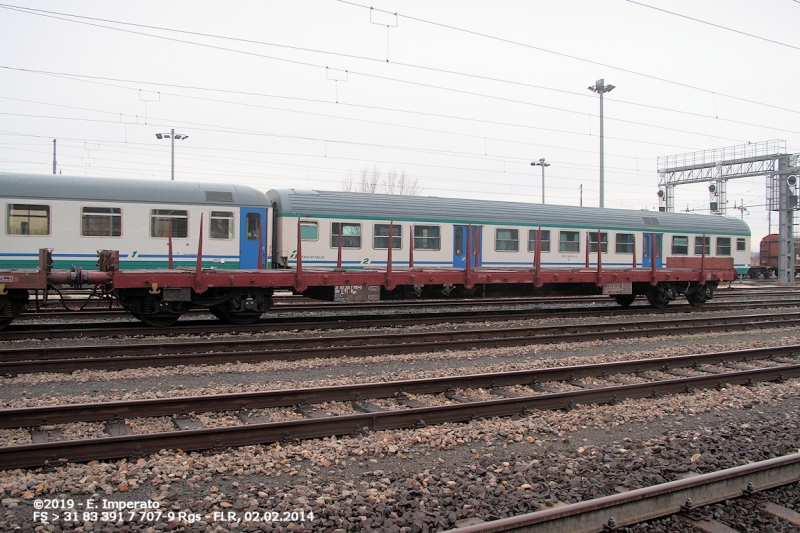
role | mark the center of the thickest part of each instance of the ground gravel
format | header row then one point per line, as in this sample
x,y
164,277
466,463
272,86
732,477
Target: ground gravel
x,y
424,479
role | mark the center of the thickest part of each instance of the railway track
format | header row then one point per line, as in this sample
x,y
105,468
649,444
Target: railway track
x,y
377,406
337,320
299,303
220,351
683,497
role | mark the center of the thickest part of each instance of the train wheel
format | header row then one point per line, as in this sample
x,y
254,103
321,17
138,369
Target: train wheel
x,y
163,321
657,298
696,300
214,310
700,296
11,308
625,300
242,318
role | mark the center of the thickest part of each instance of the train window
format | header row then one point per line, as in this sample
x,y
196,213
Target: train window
x,y
28,219
624,243
252,226
544,244
221,225
101,222
740,245
351,235
506,240
459,241
698,246
569,241
593,242
680,245
380,236
161,220
427,238
723,246
309,231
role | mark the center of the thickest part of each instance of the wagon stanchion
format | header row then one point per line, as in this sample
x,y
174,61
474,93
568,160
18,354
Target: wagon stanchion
x,y
477,251
169,243
411,248
298,276
468,269
653,280
339,254
703,262
587,249
199,268
537,259
260,244
389,283
599,281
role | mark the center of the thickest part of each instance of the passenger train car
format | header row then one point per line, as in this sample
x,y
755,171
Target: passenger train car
x,y
504,233
76,216
155,223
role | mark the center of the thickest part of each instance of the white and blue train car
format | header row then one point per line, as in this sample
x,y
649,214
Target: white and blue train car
x,y
503,233
77,216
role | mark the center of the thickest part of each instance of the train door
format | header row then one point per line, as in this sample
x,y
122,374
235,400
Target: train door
x,y
253,223
460,246
648,249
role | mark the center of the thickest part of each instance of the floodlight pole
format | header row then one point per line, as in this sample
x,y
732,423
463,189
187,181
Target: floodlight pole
x,y
172,136
601,88
172,139
542,164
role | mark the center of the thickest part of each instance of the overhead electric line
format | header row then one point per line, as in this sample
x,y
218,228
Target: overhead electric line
x,y
60,16
569,56
96,79
715,25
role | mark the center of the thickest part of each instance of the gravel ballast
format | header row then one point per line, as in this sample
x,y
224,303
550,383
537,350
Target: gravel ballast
x,y
425,479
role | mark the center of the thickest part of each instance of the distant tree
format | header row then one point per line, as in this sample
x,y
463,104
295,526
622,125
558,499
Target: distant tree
x,y
401,184
371,181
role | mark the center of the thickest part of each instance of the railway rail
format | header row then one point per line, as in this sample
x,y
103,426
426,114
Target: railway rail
x,y
612,513
300,303
336,320
513,393
72,358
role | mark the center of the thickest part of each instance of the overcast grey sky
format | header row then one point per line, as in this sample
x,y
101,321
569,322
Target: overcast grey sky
x,y
461,95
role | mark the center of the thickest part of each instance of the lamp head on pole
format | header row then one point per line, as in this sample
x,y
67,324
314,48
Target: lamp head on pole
x,y
178,136
600,87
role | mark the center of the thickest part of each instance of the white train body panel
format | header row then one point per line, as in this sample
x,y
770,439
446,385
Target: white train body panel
x,y
507,233
77,216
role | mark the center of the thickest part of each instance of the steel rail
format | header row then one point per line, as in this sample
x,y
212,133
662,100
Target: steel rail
x,y
194,346
318,305
337,320
35,455
649,503
94,329
71,358
94,412
302,304
85,326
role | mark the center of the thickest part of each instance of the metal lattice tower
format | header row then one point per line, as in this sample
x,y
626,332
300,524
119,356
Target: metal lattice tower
x,y
768,158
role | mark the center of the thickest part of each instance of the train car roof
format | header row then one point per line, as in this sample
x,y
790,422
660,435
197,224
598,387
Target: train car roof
x,y
58,187
310,203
